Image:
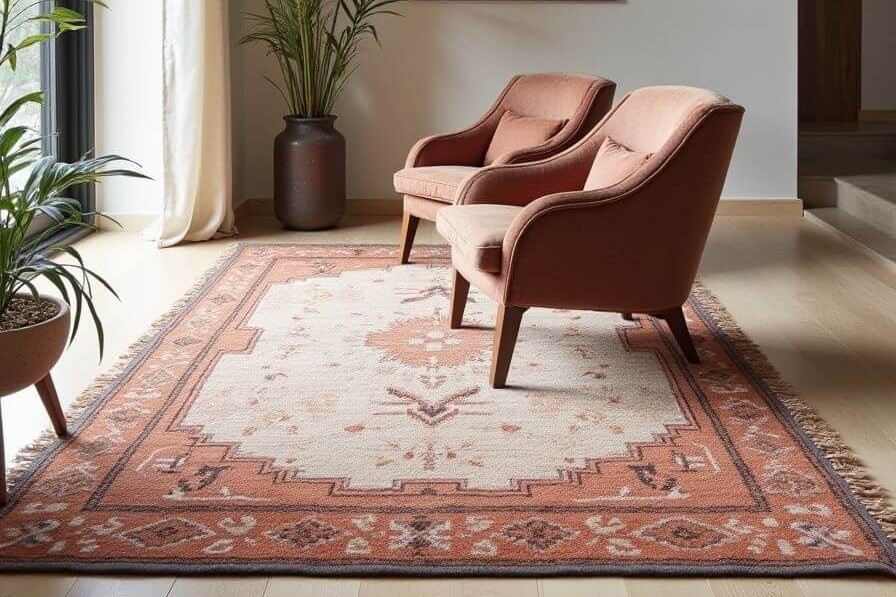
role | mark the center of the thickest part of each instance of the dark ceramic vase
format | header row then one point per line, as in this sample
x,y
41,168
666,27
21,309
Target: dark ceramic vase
x,y
309,173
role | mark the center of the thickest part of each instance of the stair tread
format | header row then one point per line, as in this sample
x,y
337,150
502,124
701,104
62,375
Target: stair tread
x,y
873,239
845,166
882,186
811,129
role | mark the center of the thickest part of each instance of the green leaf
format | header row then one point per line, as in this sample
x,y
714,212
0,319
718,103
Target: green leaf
x,y
10,137
36,97
316,43
34,39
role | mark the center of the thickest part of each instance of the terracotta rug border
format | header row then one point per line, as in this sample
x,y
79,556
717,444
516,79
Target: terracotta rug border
x,y
423,569
869,500
857,487
29,458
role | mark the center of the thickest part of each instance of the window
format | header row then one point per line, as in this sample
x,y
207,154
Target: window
x,y
63,68
29,76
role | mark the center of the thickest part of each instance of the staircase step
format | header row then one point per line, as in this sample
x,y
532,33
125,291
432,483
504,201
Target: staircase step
x,y
845,165
872,240
817,191
849,141
869,198
854,146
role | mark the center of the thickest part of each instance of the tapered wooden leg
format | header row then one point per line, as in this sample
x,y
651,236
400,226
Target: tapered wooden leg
x,y
408,232
2,466
628,317
506,331
459,292
675,320
48,395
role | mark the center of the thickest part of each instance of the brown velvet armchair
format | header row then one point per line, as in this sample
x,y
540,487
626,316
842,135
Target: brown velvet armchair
x,y
528,235
437,165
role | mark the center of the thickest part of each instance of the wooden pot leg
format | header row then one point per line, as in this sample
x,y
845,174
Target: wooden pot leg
x,y
674,318
2,466
628,317
408,232
506,331
459,292
48,396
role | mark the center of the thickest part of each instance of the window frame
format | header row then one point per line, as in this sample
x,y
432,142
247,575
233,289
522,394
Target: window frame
x,y
68,66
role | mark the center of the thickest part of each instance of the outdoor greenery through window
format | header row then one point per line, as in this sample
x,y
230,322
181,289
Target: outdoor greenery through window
x,y
32,73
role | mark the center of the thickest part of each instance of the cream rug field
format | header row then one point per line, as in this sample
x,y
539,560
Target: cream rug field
x,y
307,410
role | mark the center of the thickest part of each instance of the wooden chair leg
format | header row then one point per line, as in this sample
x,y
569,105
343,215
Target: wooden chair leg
x,y
506,330
674,318
48,396
408,232
628,317
459,292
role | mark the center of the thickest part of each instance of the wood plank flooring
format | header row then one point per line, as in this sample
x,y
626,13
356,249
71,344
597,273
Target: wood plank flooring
x,y
821,309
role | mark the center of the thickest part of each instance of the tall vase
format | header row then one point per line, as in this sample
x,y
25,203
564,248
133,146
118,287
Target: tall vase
x,y
309,173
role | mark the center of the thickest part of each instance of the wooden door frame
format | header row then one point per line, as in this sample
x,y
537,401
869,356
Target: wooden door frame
x,y
830,32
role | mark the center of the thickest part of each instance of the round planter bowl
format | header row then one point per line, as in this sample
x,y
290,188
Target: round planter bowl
x,y
28,354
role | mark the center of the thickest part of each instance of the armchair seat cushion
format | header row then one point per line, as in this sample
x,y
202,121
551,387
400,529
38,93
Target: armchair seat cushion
x,y
432,182
477,232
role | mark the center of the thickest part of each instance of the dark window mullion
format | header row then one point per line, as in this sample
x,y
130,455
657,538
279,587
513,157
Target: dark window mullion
x,y
69,67
48,113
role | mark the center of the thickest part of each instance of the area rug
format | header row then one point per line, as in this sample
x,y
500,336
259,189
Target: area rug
x,y
307,410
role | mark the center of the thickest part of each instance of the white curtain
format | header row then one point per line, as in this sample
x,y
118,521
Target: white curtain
x,y
196,158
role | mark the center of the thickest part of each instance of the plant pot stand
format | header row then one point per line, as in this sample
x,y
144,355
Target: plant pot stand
x,y
50,398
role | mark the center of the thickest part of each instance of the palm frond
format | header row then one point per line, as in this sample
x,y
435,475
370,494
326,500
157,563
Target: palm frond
x,y
316,43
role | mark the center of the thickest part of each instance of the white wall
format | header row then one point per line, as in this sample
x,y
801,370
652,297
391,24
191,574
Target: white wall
x,y
445,62
878,54
129,100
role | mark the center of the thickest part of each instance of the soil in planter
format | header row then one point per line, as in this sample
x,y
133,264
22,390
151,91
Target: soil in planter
x,y
22,312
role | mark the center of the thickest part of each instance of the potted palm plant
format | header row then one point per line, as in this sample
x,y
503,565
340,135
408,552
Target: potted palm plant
x,y
316,43
34,327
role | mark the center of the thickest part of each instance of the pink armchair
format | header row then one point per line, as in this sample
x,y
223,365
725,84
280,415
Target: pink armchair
x,y
535,117
528,235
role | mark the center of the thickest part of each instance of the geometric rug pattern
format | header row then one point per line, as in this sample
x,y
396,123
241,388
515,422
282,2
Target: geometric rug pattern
x,y
307,410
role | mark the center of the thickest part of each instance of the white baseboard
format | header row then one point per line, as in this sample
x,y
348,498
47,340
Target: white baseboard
x,y
393,207
355,207
128,222
760,207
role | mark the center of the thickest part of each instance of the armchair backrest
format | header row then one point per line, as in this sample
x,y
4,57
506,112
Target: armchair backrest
x,y
556,96
654,119
580,100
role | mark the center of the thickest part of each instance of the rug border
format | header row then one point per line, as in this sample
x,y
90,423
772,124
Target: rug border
x,y
832,453
869,500
440,570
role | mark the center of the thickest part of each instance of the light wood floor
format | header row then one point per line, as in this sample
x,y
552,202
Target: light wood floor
x,y
822,310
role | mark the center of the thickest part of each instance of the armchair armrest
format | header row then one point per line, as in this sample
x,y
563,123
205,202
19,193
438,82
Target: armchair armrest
x,y
532,154
463,148
520,184
609,249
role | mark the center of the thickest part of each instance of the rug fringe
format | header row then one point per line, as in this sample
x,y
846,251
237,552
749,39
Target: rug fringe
x,y
873,496
104,383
